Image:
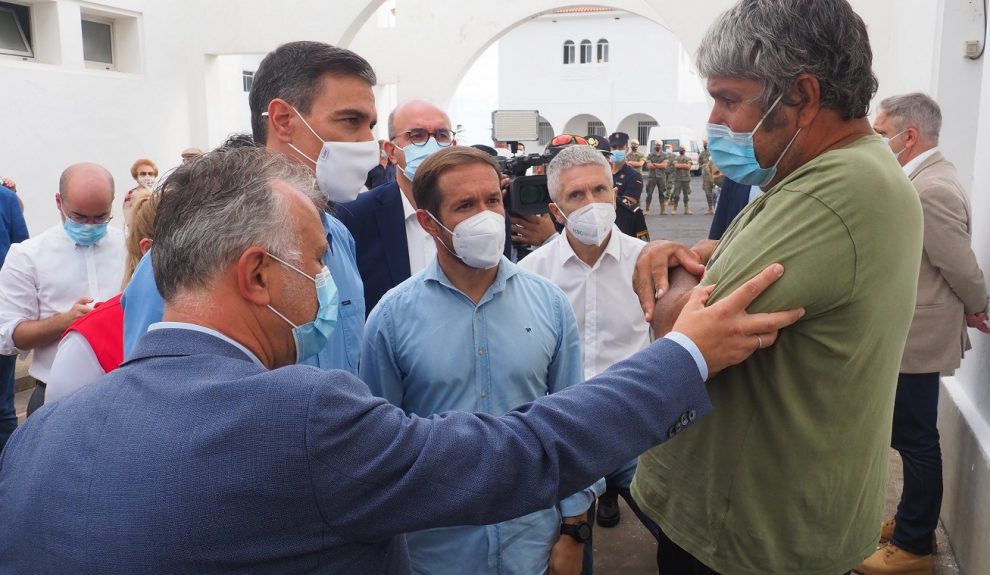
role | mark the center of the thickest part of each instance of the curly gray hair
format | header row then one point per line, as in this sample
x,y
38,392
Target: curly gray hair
x,y
775,41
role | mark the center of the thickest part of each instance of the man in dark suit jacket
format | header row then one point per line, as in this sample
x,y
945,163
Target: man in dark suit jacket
x,y
208,451
391,245
731,200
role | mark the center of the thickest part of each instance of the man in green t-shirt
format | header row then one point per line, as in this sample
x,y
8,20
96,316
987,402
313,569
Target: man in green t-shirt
x,y
788,473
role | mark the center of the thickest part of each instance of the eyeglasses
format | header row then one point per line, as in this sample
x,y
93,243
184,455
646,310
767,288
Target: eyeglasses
x,y
81,219
568,139
419,136
147,174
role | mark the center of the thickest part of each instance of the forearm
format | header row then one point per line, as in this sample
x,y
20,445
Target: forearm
x,y
670,305
30,334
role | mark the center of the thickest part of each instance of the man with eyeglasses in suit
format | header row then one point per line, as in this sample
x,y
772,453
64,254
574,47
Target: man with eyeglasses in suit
x,y
50,280
383,220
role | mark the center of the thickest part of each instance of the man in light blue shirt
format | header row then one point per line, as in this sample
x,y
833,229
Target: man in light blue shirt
x,y
473,332
306,96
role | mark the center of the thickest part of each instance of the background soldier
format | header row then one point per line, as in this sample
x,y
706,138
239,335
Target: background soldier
x,y
656,164
707,176
669,174
682,181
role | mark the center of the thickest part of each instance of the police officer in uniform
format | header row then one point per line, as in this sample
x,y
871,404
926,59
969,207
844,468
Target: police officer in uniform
x,y
629,187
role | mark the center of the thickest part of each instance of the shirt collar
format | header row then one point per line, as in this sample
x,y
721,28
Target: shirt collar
x,y
914,164
408,211
207,331
506,269
613,248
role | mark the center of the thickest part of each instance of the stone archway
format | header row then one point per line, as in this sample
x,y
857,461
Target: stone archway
x,y
582,125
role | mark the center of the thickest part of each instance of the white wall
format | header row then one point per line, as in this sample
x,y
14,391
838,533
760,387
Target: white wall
x,y
58,112
646,72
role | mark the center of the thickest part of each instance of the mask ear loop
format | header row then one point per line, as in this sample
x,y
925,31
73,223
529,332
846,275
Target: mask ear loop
x,y
444,244
317,136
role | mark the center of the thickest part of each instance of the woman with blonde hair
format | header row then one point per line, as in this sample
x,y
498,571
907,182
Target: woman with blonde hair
x,y
94,344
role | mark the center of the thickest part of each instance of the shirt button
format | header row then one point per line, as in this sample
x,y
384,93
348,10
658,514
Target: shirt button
x,y
484,394
481,351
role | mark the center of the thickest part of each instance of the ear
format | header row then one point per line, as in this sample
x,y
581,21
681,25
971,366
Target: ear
x,y
557,214
145,245
911,138
256,276
428,223
807,92
280,124
58,201
390,150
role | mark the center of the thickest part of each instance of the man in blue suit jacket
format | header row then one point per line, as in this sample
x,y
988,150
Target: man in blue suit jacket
x,y
391,245
208,452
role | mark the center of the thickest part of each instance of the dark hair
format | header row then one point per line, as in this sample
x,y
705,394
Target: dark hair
x,y
775,41
426,184
294,72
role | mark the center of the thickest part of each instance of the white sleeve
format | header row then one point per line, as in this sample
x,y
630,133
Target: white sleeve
x,y
75,365
18,297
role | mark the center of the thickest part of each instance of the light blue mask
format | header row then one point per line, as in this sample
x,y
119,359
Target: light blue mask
x,y
618,157
416,154
313,336
735,156
84,234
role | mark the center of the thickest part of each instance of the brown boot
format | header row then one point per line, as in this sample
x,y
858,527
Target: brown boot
x,y
687,210
663,208
892,560
710,210
887,531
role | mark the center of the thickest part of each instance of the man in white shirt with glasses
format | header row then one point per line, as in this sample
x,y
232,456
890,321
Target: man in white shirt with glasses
x,y
50,280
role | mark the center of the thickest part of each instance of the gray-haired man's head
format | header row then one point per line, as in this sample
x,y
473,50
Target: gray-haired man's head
x,y
215,208
775,41
572,157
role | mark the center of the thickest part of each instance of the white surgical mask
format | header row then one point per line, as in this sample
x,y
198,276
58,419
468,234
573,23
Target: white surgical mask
x,y
147,181
342,167
478,240
592,223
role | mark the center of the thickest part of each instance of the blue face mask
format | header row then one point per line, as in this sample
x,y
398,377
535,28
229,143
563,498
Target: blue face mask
x,y
84,234
618,157
735,156
416,154
312,337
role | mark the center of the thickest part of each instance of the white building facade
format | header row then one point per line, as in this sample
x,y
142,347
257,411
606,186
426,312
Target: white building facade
x,y
598,71
114,80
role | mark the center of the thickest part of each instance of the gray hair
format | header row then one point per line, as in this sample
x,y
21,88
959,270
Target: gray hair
x,y
214,208
573,157
914,110
775,41
294,72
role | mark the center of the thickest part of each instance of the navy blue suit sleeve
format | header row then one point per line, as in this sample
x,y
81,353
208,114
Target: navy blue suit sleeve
x,y
732,200
405,473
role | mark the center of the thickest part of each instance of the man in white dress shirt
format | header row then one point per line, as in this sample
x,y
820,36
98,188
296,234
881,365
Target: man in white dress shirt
x,y
593,262
50,280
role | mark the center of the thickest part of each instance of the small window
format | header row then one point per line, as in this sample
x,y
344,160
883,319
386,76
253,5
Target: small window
x,y
643,130
247,78
585,51
596,128
545,131
569,52
602,51
15,30
98,43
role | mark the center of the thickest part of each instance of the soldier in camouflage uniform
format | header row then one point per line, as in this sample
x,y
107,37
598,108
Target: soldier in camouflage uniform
x,y
707,181
656,165
682,181
635,158
669,174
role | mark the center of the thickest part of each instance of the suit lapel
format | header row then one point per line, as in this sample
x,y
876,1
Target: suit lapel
x,y
392,227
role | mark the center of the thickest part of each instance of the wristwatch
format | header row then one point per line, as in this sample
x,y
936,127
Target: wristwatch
x,y
580,531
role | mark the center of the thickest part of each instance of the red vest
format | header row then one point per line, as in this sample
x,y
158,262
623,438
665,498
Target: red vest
x,y
103,328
